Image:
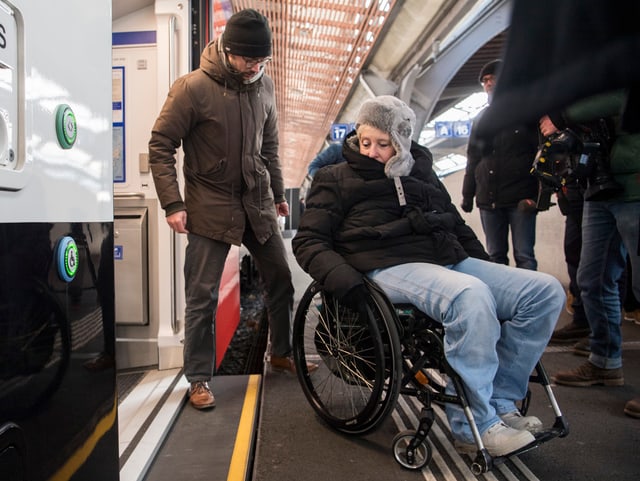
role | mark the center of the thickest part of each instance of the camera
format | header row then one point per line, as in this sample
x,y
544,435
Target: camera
x,y
553,166
569,156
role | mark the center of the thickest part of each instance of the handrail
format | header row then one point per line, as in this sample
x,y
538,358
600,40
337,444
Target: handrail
x,y
129,195
172,49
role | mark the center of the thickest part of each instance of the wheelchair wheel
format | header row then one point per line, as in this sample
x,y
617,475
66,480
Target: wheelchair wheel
x,y
418,459
359,360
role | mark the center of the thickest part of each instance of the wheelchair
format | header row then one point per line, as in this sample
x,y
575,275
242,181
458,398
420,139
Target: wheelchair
x,y
366,361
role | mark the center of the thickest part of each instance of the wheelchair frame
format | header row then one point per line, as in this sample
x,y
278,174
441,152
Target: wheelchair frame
x,y
365,364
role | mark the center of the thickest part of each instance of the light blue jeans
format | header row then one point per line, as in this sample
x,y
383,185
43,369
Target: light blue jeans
x,y
497,319
609,231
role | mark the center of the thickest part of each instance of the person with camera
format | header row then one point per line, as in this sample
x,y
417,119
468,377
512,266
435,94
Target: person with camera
x,y
567,139
498,176
564,148
610,231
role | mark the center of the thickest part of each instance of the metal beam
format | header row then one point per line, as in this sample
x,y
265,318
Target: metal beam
x,y
430,84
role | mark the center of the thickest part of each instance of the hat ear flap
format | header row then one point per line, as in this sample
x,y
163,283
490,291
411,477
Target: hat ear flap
x,y
405,130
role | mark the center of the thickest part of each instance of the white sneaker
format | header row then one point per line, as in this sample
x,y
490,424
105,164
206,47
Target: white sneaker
x,y
516,420
499,440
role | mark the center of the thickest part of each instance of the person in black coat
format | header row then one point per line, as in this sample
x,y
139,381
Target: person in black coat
x,y
498,176
383,214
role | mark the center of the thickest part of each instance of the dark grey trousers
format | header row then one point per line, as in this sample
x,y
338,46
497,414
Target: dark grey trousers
x,y
204,263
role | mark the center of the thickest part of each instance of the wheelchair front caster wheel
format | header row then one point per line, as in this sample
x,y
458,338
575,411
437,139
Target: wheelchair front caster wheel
x,y
416,459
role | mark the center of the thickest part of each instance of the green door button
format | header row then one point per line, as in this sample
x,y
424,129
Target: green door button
x,y
66,127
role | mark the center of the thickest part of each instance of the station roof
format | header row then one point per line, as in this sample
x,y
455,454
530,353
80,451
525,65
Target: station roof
x,y
331,55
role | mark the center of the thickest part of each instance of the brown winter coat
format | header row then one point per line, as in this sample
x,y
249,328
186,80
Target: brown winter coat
x,y
229,136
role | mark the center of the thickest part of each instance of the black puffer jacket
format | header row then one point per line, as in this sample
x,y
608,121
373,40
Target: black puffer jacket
x,y
354,223
498,173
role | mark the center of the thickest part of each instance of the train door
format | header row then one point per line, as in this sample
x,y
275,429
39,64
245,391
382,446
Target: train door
x,y
58,408
152,47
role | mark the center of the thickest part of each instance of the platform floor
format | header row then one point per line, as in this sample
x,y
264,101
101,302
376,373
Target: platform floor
x,y
162,438
290,443
294,444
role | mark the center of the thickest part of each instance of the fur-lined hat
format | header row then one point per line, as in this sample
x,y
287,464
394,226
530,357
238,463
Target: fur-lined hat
x,y
391,115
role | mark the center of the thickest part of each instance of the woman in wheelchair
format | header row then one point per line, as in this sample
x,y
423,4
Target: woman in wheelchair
x,y
384,215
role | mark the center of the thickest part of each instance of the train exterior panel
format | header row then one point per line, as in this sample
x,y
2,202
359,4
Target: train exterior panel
x,y
58,409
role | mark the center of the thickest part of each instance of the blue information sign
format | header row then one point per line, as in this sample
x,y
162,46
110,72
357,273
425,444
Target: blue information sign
x,y
462,128
459,128
340,131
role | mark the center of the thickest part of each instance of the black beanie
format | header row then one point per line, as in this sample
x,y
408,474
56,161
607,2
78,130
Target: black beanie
x,y
247,34
491,68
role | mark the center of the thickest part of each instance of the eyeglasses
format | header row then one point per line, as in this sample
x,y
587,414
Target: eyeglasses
x,y
252,62
488,78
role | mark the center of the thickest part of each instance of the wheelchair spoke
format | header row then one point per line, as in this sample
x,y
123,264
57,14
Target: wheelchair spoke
x,y
354,383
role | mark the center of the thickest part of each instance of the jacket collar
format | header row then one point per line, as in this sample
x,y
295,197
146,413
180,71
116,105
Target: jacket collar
x,y
369,168
213,63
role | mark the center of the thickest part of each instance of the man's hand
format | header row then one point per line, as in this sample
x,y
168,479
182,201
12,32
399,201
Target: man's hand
x,y
467,204
546,126
282,209
178,222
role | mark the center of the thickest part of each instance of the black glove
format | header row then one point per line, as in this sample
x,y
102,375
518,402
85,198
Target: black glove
x,y
427,222
467,204
356,298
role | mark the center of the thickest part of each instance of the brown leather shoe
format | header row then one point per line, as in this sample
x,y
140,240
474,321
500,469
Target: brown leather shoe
x,y
569,306
286,364
632,408
633,316
589,375
200,396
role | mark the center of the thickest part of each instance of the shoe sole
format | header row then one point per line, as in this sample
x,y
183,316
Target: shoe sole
x,y
310,369
633,414
599,382
471,449
533,429
204,406
578,352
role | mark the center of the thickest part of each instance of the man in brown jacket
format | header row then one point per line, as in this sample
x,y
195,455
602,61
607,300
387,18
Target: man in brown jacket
x,y
224,115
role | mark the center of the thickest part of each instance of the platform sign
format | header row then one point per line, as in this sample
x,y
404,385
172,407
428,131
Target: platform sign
x,y
459,128
340,131
462,128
